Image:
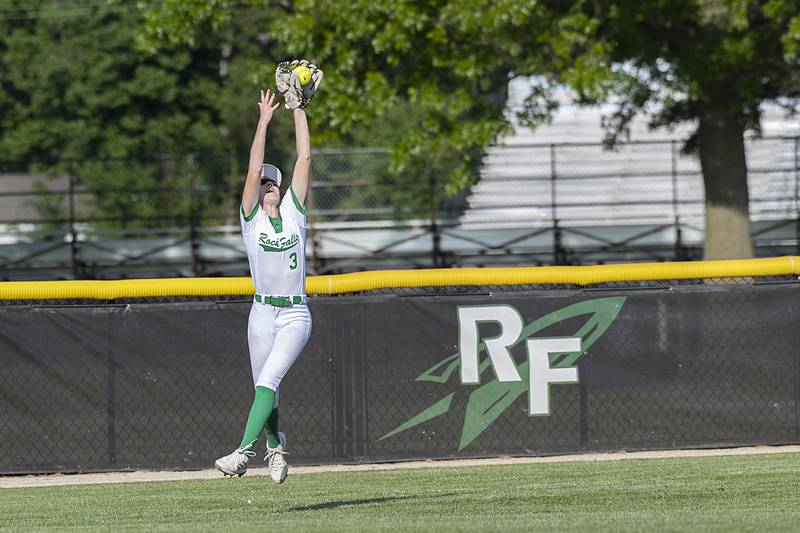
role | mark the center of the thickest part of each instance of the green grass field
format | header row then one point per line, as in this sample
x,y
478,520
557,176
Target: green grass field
x,y
733,493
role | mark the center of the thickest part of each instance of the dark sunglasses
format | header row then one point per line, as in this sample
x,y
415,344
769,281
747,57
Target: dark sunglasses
x,y
265,180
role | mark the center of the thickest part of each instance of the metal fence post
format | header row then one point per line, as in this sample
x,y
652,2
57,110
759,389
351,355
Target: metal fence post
x,y
341,385
797,382
193,208
312,237
559,257
583,402
797,192
111,410
675,212
73,235
435,236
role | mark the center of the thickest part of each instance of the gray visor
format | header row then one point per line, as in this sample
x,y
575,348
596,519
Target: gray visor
x,y
271,173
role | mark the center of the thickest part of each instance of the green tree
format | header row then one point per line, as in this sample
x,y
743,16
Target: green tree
x,y
712,62
79,97
425,76
344,114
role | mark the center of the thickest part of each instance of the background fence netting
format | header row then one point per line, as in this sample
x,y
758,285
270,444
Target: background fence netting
x,y
166,383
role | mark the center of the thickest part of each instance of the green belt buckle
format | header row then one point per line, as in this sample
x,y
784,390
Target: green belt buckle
x,y
279,301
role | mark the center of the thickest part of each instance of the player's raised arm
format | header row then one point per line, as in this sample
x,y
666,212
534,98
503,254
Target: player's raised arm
x,y
252,184
301,178
298,82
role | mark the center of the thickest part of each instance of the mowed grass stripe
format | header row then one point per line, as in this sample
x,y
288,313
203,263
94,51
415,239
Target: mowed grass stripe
x,y
733,493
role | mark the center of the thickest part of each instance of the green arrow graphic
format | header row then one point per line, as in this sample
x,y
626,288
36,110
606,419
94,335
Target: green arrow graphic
x,y
490,400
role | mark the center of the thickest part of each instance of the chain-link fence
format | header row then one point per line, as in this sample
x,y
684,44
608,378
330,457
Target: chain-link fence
x,y
654,182
126,195
166,384
533,204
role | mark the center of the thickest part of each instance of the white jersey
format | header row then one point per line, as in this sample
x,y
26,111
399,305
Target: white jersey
x,y
276,248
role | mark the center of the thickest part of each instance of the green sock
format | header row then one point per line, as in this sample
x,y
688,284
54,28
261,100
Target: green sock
x,y
271,429
262,406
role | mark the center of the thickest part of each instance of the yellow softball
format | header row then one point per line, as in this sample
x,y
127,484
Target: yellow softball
x,y
303,74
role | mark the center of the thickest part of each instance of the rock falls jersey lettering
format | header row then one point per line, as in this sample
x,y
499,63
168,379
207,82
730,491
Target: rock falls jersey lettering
x,y
274,233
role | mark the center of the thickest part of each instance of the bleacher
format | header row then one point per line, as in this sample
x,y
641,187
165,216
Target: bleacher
x,y
559,172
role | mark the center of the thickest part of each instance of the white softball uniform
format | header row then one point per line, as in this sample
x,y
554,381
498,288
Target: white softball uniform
x,y
279,324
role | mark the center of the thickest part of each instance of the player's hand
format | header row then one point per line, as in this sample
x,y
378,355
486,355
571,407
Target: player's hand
x,y
267,105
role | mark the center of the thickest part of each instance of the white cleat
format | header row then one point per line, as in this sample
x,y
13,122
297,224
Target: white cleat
x,y
235,464
278,468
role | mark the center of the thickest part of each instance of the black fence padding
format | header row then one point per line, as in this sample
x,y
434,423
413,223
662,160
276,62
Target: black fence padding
x,y
167,385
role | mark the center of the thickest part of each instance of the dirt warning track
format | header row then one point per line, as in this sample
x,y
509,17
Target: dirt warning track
x,y
49,480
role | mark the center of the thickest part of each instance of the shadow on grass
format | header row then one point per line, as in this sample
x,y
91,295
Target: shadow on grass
x,y
366,501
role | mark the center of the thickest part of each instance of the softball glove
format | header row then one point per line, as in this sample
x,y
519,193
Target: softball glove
x,y
295,93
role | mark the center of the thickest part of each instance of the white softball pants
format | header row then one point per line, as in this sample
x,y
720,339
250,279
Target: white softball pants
x,y
276,336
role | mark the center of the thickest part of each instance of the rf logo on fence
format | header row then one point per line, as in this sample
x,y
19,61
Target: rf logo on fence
x,y
549,361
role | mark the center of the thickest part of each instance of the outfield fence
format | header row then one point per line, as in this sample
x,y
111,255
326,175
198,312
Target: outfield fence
x,y
533,204
449,364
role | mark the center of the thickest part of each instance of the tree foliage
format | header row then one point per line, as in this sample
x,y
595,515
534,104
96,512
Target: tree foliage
x,y
447,63
713,63
428,78
671,59
79,96
74,88
710,62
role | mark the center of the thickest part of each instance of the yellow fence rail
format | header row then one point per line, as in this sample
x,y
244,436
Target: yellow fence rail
x,y
384,279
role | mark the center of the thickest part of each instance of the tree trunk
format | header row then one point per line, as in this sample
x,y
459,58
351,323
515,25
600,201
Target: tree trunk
x,y
722,159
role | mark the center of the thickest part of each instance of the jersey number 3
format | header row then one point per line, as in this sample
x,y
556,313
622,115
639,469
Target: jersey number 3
x,y
293,259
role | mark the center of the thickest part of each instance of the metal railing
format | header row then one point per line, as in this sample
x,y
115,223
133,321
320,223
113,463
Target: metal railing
x,y
532,204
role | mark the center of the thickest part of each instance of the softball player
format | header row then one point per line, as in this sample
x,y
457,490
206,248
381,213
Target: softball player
x,y
279,325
